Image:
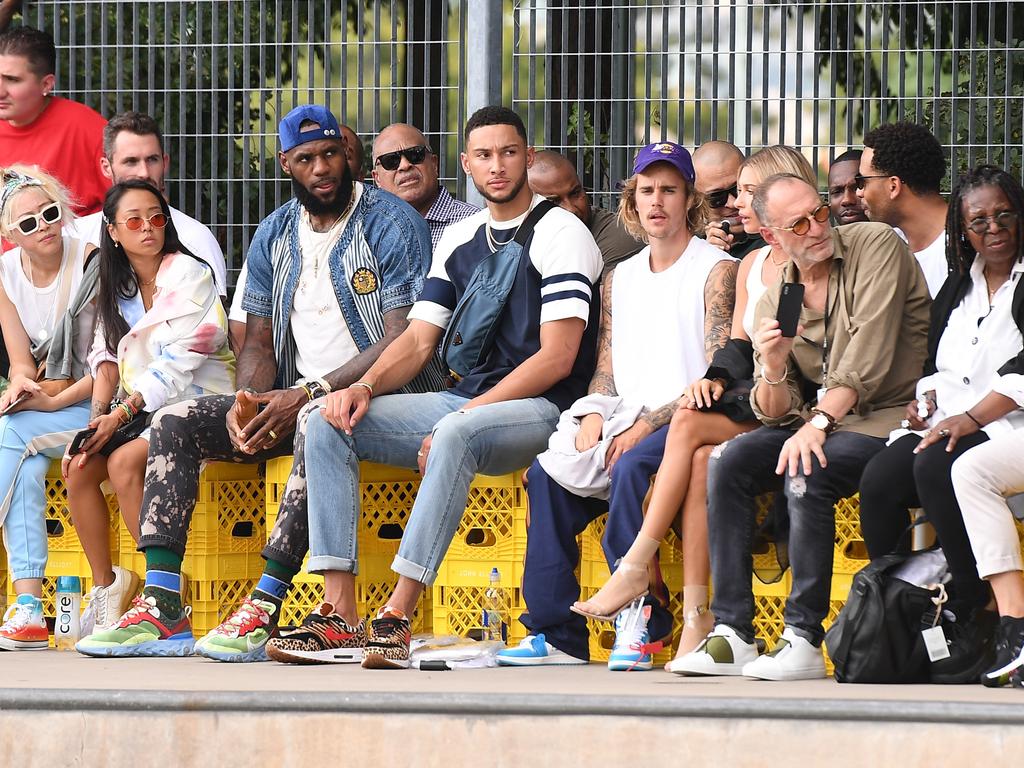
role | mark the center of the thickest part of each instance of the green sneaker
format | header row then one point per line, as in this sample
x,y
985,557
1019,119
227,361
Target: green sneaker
x,y
141,632
243,635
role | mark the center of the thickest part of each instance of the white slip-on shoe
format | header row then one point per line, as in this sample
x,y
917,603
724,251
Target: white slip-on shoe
x,y
722,652
792,658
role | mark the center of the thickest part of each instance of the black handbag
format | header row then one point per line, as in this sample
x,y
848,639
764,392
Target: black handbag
x,y
877,636
122,435
734,364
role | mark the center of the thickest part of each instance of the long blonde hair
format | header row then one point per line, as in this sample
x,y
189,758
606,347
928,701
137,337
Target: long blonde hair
x,y
780,158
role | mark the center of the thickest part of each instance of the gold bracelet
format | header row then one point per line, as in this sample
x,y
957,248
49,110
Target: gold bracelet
x,y
771,383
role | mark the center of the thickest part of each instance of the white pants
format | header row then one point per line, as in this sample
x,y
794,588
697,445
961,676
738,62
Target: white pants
x,y
982,478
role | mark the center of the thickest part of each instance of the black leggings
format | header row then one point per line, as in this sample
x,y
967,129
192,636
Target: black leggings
x,y
896,480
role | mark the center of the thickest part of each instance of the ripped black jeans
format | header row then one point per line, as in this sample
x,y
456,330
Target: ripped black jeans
x,y
186,434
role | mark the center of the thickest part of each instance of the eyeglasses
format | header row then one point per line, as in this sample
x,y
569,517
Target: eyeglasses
x,y
390,161
803,225
32,222
720,197
135,223
862,181
1003,220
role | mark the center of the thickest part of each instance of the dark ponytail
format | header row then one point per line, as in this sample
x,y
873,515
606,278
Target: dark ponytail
x,y
117,278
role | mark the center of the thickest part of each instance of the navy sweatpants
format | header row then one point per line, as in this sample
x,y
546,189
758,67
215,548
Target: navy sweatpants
x,y
557,517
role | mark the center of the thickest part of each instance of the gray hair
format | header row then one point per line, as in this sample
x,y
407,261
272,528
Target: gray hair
x,y
760,201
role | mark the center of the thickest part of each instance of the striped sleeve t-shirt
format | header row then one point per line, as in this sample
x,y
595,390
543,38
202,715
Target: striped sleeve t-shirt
x,y
556,280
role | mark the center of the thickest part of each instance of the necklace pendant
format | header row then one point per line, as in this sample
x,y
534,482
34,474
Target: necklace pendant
x,y
43,334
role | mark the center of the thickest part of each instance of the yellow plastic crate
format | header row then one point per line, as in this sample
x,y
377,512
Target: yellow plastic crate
x,y
65,550
457,610
213,601
851,553
3,581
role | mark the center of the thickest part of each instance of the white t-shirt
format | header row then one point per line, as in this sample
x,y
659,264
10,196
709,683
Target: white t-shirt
x,y
194,235
38,307
236,313
323,341
933,262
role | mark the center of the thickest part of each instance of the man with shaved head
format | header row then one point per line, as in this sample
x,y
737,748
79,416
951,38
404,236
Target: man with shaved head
x,y
553,176
406,166
354,153
717,165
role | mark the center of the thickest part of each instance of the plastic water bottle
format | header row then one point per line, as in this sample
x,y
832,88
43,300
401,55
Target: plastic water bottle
x,y
68,629
495,610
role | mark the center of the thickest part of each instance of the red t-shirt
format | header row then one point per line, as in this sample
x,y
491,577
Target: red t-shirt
x,y
66,141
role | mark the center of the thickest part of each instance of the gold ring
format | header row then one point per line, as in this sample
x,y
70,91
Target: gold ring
x,y
943,433
420,454
272,433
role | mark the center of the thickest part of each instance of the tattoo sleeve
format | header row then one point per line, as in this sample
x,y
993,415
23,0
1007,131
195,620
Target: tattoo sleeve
x,y
99,408
395,321
661,416
603,382
719,302
257,364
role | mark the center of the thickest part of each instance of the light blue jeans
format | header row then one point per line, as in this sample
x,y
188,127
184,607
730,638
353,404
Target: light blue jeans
x,y
25,525
490,439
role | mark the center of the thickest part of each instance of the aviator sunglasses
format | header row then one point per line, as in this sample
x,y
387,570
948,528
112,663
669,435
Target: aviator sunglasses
x,y
390,161
803,225
32,222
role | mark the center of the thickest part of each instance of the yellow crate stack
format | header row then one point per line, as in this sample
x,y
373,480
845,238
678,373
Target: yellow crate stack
x,y
226,535
387,494
65,556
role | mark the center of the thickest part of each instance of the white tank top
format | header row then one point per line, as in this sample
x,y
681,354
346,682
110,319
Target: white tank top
x,y
755,290
37,307
658,324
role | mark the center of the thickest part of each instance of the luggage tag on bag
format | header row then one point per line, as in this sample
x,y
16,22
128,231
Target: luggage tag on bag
x,y
934,637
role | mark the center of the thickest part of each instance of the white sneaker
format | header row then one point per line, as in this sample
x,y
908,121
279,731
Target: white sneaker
x,y
722,652
108,604
792,658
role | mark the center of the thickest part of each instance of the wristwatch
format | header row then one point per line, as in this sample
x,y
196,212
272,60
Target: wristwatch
x,y
823,421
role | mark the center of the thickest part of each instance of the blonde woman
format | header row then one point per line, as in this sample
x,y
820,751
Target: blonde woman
x,y
37,280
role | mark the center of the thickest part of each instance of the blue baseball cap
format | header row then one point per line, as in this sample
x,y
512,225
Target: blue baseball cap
x,y
291,135
665,152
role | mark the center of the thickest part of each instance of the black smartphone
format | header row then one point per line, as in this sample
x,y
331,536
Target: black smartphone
x,y
791,301
80,440
739,236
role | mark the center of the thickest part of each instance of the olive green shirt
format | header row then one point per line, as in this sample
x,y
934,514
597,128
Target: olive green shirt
x,y
878,305
614,242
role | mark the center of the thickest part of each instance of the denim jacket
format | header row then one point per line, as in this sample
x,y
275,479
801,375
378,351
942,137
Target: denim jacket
x,y
387,274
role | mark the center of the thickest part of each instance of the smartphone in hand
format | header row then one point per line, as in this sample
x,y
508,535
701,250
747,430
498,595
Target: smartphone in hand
x,y
16,401
79,440
791,301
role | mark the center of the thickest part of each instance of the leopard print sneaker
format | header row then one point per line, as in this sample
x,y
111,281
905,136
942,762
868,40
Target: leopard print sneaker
x,y
324,637
388,643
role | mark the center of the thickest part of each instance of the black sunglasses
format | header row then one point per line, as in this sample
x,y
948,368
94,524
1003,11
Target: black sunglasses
x,y
390,161
862,181
720,197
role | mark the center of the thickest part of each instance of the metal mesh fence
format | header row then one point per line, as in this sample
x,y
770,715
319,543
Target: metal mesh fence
x,y
593,78
598,79
219,75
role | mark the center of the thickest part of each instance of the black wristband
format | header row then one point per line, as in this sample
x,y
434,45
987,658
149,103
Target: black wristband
x,y
970,416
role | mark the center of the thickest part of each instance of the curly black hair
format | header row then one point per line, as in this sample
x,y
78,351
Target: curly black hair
x,y
959,251
494,115
911,152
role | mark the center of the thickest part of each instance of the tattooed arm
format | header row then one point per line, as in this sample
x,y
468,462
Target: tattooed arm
x,y
603,380
104,387
257,364
719,301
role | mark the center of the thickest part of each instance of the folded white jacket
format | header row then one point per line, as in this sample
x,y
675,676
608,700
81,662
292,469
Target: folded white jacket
x,y
584,473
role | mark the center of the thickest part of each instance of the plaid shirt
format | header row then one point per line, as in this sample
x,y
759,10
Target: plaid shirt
x,y
446,210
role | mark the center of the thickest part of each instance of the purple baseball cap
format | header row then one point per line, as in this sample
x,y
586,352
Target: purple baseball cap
x,y
290,131
665,152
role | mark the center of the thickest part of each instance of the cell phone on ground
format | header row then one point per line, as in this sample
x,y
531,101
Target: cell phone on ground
x,y
791,301
16,401
79,440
